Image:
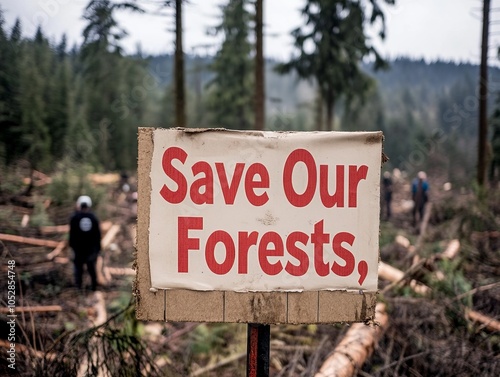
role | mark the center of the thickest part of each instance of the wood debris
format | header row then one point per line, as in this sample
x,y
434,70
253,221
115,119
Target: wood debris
x,y
396,277
34,309
28,240
356,346
488,322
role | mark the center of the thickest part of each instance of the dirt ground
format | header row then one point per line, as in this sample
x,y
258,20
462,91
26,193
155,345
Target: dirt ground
x,y
427,335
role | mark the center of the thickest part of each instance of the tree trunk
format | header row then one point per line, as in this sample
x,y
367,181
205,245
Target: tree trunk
x,y
259,68
330,104
483,98
320,126
180,114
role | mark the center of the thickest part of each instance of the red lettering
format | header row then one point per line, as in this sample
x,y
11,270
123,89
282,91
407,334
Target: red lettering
x,y
224,238
229,189
185,243
295,199
319,238
338,198
251,184
245,240
355,175
265,252
343,253
178,195
206,182
297,253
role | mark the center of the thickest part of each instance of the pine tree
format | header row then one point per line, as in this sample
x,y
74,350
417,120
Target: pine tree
x,y
34,129
231,98
10,92
104,73
335,29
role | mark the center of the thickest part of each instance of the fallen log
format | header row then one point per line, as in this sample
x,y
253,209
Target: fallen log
x,y
100,309
488,322
97,347
221,363
104,179
54,253
356,346
396,277
28,240
33,309
22,348
423,225
51,229
110,236
121,271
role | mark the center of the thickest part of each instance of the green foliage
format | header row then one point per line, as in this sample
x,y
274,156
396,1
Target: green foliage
x,y
478,214
388,233
70,182
231,94
209,338
83,106
40,216
115,347
335,30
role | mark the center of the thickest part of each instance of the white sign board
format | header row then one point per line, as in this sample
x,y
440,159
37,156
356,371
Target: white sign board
x,y
267,211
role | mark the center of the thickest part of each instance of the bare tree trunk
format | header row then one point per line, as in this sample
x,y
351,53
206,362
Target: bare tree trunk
x,y
483,98
259,68
320,126
330,104
180,114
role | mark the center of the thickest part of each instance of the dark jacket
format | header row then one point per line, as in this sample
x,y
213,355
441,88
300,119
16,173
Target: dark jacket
x,y
85,234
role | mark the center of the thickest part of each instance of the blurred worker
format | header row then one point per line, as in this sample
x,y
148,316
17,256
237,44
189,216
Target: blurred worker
x,y
85,240
419,190
387,192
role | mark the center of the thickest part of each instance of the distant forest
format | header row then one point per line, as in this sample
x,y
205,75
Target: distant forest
x,y
63,104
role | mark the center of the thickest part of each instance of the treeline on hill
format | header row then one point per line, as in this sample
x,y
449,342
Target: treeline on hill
x,y
84,104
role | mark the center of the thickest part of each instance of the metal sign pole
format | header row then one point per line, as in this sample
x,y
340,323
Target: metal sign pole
x,y
258,344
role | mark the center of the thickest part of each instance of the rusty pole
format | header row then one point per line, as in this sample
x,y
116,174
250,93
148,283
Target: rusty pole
x,y
258,344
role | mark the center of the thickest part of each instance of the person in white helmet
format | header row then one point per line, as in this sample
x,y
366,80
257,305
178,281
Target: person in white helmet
x,y
85,240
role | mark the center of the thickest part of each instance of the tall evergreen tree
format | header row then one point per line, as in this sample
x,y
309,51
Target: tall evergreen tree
x,y
335,30
61,111
104,73
180,90
231,101
10,93
35,64
260,95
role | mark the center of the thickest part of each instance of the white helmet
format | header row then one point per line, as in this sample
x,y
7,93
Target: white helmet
x,y
84,199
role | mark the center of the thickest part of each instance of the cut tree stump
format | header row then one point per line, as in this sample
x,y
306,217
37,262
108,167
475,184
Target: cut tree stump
x,y
356,346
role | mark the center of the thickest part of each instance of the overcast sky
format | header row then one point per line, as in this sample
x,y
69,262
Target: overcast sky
x,y
429,29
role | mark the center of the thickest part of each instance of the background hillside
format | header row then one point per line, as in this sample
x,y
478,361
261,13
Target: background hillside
x,y
424,109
